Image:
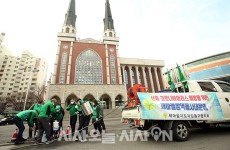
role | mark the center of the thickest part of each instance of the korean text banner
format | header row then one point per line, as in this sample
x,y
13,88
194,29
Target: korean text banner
x,y
180,106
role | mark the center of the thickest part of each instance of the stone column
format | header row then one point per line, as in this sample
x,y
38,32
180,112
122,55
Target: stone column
x,y
107,64
162,78
123,70
56,63
118,67
63,96
144,76
151,79
137,74
69,63
113,100
157,79
130,76
97,95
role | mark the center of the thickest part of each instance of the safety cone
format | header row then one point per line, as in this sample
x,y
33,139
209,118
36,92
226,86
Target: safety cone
x,y
14,136
60,134
68,133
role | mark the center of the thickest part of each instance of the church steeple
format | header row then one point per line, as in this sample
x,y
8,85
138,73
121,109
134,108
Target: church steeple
x,y
70,17
70,20
109,31
108,21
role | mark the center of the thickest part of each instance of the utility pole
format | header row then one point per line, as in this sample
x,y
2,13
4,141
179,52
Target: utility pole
x,y
28,86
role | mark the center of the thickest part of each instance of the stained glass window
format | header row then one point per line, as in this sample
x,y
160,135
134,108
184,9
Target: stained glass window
x,y
63,68
112,69
88,68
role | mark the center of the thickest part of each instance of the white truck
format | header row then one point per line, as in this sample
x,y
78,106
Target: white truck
x,y
205,103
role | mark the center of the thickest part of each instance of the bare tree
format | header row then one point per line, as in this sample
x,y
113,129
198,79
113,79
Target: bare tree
x,y
39,92
18,99
2,104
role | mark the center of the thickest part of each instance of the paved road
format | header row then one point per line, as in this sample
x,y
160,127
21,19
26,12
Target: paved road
x,y
7,131
213,139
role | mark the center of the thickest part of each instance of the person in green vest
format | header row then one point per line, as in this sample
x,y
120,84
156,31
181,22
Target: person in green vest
x,y
96,116
36,106
59,115
73,115
44,119
101,118
84,119
27,115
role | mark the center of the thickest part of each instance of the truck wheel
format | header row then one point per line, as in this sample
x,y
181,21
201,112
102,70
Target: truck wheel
x,y
180,131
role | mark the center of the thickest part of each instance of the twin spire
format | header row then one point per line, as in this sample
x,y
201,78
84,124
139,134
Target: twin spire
x,y
70,17
70,20
108,20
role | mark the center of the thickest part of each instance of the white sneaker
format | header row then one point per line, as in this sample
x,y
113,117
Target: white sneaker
x,y
84,140
49,142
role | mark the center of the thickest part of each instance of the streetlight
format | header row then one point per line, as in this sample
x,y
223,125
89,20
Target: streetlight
x,y
28,86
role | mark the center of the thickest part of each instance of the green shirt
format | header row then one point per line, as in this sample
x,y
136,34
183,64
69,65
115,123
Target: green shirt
x,y
101,111
37,107
28,115
47,109
79,109
96,111
72,110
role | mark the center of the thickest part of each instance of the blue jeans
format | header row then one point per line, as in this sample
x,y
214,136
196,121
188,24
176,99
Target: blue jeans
x,y
19,123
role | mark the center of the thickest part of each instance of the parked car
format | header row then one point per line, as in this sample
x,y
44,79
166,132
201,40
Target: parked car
x,y
5,121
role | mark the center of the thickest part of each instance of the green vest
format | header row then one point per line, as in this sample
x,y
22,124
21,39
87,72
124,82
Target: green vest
x,y
79,109
37,107
96,111
72,110
28,115
47,109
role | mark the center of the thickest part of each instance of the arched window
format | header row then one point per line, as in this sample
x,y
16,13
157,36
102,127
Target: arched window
x,y
67,30
139,76
63,68
133,76
110,34
88,68
126,78
72,31
112,69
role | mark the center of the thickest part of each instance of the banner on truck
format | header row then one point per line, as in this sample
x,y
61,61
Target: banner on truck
x,y
180,106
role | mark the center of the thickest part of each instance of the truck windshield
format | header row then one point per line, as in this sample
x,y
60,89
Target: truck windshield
x,y
224,86
207,86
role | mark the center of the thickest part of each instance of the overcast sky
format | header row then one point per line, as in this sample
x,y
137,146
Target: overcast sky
x,y
176,31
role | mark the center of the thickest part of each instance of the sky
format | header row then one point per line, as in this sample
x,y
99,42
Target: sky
x,y
176,31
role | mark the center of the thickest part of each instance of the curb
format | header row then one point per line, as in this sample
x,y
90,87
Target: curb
x,y
6,144
111,119
11,143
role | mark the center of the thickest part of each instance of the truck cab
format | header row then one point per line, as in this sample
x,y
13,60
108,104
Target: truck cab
x,y
220,89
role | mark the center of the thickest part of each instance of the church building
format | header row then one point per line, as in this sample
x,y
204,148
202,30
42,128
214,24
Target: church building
x,y
88,68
